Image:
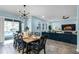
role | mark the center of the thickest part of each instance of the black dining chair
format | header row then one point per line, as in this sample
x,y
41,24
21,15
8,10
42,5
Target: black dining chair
x,y
19,44
15,40
39,45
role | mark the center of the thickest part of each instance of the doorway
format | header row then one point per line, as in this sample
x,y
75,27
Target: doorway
x,y
10,27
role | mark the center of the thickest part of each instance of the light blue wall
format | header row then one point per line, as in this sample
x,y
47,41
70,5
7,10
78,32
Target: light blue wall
x,y
32,24
29,24
60,22
57,23
9,15
36,21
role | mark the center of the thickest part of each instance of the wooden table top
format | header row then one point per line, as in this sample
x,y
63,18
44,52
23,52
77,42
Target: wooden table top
x,y
29,39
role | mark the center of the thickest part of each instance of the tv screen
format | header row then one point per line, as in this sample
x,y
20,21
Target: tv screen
x,y
69,27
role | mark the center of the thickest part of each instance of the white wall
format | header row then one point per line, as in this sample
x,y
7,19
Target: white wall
x,y
1,29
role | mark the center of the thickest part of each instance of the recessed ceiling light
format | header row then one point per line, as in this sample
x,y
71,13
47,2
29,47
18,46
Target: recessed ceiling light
x,y
43,16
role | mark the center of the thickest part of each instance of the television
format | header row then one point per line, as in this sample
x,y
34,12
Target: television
x,y
69,27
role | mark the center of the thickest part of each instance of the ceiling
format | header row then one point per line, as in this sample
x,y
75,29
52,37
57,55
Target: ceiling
x,y
47,11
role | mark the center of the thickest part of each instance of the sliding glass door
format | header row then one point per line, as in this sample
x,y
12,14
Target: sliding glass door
x,y
11,27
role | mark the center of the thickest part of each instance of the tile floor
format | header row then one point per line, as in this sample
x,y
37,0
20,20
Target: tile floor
x,y
52,47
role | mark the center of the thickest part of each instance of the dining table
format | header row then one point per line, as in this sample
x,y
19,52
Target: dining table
x,y
30,39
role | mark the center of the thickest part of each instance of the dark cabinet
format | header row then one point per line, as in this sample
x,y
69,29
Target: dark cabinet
x,y
64,37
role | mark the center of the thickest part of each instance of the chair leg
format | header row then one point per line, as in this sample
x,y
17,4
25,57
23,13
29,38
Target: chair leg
x,y
37,52
23,51
19,50
44,51
14,44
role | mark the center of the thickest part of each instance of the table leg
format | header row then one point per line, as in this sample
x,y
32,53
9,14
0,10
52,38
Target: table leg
x,y
27,48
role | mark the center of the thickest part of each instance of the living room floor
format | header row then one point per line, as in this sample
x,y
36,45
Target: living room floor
x,y
52,47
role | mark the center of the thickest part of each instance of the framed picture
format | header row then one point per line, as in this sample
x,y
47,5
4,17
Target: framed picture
x,y
39,26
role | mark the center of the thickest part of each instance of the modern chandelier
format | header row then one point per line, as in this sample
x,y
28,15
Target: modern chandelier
x,y
24,13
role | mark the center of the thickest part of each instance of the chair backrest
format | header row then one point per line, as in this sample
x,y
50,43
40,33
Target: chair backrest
x,y
43,40
15,36
18,37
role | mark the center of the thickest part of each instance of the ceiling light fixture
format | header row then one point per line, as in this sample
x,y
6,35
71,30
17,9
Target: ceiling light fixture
x,y
43,16
24,13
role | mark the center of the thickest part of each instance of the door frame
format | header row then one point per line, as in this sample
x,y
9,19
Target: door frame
x,y
20,23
